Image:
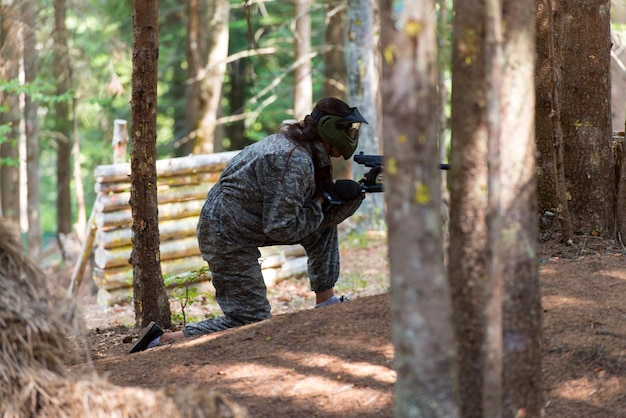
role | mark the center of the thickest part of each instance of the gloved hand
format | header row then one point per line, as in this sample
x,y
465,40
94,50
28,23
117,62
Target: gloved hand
x,y
340,191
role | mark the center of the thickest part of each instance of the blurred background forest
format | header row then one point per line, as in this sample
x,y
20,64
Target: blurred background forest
x,y
66,77
76,75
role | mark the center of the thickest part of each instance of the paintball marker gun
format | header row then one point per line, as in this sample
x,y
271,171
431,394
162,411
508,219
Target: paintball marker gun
x,y
375,162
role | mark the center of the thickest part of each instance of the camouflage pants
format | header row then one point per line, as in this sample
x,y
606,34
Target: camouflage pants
x,y
236,272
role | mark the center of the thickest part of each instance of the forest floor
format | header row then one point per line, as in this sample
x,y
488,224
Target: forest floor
x,y
338,361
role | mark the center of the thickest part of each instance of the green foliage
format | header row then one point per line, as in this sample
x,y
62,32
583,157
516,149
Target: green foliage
x,y
100,52
184,291
361,239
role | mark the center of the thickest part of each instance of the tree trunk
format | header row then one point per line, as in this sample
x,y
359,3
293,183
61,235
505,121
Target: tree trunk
x,y
420,304
62,122
10,45
335,67
206,75
468,200
364,77
81,222
492,348
239,83
151,301
29,13
582,57
196,47
334,36
522,296
303,86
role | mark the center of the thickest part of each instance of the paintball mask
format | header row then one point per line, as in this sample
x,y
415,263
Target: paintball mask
x,y
340,131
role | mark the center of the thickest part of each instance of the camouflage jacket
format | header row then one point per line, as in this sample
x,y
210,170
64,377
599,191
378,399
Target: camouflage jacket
x,y
266,193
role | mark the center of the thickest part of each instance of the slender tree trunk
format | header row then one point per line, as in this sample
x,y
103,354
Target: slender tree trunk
x,y
10,46
469,200
335,66
196,47
151,301
63,125
494,63
29,13
421,307
81,222
207,52
364,77
521,325
237,74
303,85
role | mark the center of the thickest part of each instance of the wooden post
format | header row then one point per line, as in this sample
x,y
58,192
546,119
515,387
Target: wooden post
x,y
79,268
120,139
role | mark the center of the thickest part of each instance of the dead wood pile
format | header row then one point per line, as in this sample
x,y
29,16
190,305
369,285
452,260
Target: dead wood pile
x,y
41,334
182,186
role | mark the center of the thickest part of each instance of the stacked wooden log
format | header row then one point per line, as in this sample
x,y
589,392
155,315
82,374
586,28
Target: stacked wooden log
x,y
182,185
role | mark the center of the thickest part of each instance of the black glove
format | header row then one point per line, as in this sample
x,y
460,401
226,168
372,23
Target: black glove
x,y
341,191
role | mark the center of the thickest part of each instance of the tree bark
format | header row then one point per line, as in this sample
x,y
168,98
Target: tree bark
x,y
150,299
494,68
62,122
364,78
521,325
10,46
335,67
582,59
420,305
303,85
469,201
207,53
29,13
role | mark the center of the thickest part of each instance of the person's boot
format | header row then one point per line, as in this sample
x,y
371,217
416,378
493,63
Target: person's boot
x,y
149,334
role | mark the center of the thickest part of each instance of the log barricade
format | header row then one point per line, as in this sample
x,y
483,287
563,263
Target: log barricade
x,y
182,185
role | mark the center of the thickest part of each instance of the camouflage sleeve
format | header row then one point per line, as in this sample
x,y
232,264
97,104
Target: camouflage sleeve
x,y
289,211
335,214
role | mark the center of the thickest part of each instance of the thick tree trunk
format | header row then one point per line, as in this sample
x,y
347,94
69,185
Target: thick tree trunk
x,y
582,61
420,304
151,301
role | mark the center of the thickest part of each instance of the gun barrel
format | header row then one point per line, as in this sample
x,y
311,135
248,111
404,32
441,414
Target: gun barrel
x,y
377,160
368,160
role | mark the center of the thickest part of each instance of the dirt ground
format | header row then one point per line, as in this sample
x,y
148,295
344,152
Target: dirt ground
x,y
338,361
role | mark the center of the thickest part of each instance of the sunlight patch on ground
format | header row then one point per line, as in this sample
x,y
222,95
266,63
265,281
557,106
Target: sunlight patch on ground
x,y
585,389
614,274
376,372
559,301
313,382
